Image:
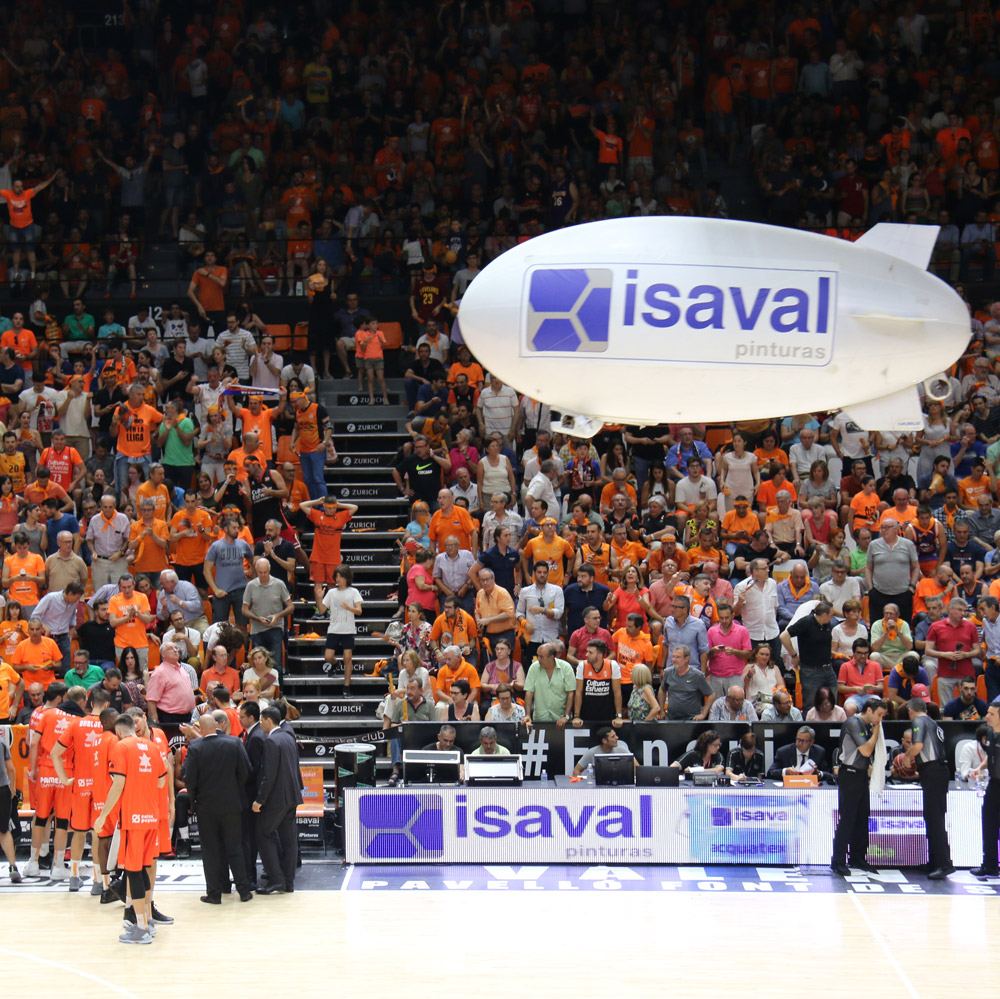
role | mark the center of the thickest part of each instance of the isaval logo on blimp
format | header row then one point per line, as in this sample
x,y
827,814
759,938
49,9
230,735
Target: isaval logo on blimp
x,y
401,826
569,309
743,314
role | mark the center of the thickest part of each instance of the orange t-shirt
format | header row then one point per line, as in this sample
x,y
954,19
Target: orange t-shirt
x,y
61,464
631,651
927,588
908,517
191,551
22,341
326,540
19,207
864,511
132,632
134,439
260,425
141,763
732,523
458,523
209,293
81,738
8,676
767,494
474,371
609,146
52,727
969,491
539,550
600,560
102,779
24,591
11,634
657,556
149,556
368,345
608,493
310,436
160,495
229,678
30,654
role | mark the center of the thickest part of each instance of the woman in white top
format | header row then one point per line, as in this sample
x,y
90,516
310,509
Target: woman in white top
x,y
935,439
738,474
843,635
493,473
506,708
411,668
343,602
761,676
73,409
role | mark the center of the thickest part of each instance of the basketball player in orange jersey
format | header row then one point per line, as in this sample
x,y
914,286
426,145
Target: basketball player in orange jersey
x,y
165,811
53,796
137,775
104,834
80,743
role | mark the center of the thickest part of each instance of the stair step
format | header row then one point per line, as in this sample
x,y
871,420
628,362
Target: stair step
x,y
371,427
377,685
337,707
361,399
349,460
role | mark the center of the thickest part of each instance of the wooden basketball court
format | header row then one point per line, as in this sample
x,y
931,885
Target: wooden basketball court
x,y
594,943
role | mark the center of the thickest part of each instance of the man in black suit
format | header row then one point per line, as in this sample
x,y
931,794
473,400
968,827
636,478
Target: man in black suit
x,y
253,742
794,759
279,793
215,772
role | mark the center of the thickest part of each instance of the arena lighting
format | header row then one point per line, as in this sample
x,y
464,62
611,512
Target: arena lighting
x,y
649,320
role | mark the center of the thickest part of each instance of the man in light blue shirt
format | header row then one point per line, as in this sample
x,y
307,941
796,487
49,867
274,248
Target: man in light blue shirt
x,y
57,611
680,628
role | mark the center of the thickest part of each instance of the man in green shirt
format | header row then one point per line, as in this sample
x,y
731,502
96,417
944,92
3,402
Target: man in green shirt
x,y
83,673
859,555
488,745
549,688
175,436
78,326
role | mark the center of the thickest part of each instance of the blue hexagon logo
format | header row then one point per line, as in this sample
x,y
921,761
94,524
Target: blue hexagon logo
x,y
401,826
568,310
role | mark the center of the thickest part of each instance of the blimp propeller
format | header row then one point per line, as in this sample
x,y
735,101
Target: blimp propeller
x,y
660,319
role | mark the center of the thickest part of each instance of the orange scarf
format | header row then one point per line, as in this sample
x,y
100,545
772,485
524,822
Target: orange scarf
x,y
798,594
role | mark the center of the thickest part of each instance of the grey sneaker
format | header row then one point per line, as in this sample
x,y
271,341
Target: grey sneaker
x,y
136,935
96,889
75,884
15,874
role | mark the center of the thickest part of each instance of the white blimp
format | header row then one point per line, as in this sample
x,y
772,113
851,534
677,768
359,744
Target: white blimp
x,y
649,320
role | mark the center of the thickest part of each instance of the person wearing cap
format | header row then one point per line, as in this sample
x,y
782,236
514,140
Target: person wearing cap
x,y
311,440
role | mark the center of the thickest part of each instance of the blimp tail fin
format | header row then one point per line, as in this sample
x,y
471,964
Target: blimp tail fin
x,y
912,243
899,412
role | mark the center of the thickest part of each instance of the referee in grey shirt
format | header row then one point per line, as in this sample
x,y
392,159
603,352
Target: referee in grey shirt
x,y
891,572
928,749
857,743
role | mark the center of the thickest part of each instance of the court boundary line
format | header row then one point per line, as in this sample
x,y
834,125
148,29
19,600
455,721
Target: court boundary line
x,y
884,946
73,971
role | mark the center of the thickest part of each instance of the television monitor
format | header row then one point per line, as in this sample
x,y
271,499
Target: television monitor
x,y
494,771
614,770
426,766
658,776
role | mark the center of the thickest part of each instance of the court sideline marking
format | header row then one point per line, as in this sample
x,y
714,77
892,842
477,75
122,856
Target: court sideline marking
x,y
73,971
886,949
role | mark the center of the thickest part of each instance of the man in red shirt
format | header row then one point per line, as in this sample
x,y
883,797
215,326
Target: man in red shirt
x,y
953,641
23,231
609,147
64,463
137,775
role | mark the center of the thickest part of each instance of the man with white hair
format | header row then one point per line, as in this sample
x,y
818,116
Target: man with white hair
x,y
804,452
178,594
795,591
64,565
892,571
266,604
169,693
784,526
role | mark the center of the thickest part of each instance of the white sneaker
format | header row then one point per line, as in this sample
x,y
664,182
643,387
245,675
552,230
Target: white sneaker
x,y
31,869
59,872
43,850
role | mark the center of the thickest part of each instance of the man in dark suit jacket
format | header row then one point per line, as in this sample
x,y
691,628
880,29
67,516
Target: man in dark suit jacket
x,y
791,759
215,772
279,793
253,742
